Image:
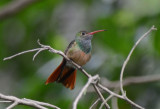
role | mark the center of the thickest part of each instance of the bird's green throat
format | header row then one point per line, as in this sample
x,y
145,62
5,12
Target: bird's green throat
x,y
84,45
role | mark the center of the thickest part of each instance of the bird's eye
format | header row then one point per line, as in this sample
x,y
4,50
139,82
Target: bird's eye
x,y
83,33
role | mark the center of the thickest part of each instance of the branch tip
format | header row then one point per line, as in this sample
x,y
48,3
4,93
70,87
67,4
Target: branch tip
x,y
154,28
38,41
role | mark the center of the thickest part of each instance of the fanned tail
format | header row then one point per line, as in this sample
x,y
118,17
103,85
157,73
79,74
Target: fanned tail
x,y
63,74
68,78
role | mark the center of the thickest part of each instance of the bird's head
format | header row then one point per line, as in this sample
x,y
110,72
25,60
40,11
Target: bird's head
x,y
84,35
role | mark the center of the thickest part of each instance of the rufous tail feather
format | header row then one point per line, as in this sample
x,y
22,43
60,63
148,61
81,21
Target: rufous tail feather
x,y
63,74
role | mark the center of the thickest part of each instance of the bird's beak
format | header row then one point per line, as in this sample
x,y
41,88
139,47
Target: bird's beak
x,y
91,33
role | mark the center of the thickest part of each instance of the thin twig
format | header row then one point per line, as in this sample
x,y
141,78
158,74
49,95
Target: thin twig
x,y
72,62
109,97
114,100
37,53
129,55
5,101
109,91
42,103
32,103
90,80
14,7
63,55
12,105
101,96
94,103
131,80
32,50
127,81
124,97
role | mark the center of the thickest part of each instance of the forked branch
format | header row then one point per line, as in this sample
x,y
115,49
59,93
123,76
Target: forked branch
x,y
129,55
32,103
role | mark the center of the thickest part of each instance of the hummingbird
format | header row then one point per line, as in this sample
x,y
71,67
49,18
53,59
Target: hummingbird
x,y
79,51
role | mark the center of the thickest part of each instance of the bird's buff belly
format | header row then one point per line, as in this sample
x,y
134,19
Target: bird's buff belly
x,y
79,57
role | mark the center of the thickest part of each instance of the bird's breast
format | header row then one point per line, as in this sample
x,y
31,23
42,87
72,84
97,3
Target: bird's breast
x,y
78,56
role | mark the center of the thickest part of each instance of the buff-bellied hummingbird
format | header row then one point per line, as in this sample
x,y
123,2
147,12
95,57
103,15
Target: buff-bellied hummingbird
x,y
79,51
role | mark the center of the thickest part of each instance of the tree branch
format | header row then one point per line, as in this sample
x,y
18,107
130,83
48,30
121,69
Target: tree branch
x,y
128,57
91,79
105,101
124,97
42,103
14,7
37,49
12,105
94,103
130,81
101,97
84,89
127,81
28,102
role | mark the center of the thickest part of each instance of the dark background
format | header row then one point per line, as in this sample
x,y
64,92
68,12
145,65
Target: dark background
x,y
55,23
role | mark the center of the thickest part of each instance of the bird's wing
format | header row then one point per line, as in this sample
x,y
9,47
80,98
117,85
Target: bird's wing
x,y
69,46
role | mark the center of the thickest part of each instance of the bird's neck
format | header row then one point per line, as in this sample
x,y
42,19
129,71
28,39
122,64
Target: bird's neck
x,y
84,45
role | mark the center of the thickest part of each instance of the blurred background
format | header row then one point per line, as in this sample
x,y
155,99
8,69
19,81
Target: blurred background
x,y
55,23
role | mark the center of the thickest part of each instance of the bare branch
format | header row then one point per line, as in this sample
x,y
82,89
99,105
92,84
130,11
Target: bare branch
x,y
14,7
109,91
130,81
114,103
109,97
90,80
114,100
32,103
12,105
32,50
5,101
63,55
45,47
37,53
124,97
101,96
42,103
129,55
94,103
127,81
